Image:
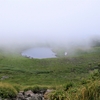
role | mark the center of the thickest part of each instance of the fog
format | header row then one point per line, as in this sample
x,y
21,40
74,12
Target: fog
x,y
57,22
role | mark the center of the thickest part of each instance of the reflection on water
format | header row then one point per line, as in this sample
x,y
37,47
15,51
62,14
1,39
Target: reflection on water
x,y
41,52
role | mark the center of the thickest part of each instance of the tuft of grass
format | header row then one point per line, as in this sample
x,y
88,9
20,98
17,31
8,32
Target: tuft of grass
x,y
36,89
90,92
68,85
7,90
57,95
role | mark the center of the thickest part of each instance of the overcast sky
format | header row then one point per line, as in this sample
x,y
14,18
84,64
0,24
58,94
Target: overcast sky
x,y
65,21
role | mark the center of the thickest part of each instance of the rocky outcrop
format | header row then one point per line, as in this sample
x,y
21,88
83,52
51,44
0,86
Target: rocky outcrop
x,y
4,77
29,95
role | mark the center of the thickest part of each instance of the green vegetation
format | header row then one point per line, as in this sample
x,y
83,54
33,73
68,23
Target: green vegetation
x,y
90,92
35,89
72,77
7,91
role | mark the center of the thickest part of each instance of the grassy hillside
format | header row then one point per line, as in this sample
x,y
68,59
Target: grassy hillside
x,y
73,77
53,71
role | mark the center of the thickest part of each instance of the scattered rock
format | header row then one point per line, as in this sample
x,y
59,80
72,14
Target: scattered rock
x,y
4,77
29,95
20,96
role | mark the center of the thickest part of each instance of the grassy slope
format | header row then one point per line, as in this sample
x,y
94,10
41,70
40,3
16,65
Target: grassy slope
x,y
56,71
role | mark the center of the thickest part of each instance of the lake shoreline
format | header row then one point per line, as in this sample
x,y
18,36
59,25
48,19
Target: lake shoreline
x,y
39,53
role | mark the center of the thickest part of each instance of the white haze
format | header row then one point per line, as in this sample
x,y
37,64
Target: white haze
x,y
60,22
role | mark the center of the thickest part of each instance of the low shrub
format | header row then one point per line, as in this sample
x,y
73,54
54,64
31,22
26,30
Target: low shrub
x,y
84,81
57,95
36,89
7,91
68,85
90,92
95,74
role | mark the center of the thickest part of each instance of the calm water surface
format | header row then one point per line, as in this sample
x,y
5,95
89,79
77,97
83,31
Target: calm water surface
x,y
40,52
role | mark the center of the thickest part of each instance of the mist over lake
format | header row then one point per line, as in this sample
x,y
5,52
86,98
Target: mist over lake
x,y
31,22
